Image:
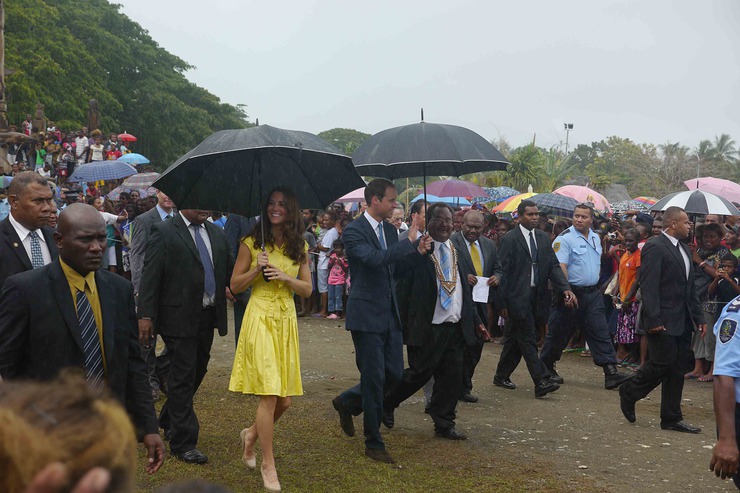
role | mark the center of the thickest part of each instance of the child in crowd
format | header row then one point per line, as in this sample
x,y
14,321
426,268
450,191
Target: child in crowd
x,y
338,269
726,285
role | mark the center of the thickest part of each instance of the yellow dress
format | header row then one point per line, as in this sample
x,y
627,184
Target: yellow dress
x,y
267,360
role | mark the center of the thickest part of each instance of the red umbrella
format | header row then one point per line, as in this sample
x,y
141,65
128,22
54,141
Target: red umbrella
x,y
126,137
455,188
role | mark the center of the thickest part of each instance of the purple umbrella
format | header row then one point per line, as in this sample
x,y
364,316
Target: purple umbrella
x,y
455,188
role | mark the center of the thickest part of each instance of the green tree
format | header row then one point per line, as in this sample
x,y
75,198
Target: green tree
x,y
527,167
345,139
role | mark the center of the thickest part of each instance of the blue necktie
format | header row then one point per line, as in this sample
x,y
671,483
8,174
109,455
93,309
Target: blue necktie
x,y
381,238
444,262
205,259
90,342
37,258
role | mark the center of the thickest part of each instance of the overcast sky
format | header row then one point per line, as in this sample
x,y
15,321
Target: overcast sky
x,y
652,71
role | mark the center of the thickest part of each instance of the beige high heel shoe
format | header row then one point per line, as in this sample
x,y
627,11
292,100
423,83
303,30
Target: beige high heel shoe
x,y
271,484
249,460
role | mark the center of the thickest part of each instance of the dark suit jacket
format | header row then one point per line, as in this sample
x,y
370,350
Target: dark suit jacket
x,y
516,267
668,298
417,298
372,300
40,335
173,279
140,230
491,266
13,257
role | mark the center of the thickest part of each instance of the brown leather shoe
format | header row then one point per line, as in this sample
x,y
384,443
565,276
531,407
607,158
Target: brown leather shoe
x,y
379,455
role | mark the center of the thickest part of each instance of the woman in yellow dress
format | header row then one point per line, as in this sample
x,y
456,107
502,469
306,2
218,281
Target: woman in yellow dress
x,y
267,360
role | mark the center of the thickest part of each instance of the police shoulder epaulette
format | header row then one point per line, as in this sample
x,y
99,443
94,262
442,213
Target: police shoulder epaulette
x,y
734,305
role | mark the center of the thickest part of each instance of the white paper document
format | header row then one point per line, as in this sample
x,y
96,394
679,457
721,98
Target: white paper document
x,y
480,290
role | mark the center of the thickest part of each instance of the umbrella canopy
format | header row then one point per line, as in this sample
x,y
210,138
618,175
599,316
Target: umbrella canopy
x,y
447,200
354,196
126,137
555,204
134,158
629,205
5,183
15,137
697,202
454,188
115,194
585,194
422,149
499,194
724,188
511,204
645,200
230,169
140,180
102,170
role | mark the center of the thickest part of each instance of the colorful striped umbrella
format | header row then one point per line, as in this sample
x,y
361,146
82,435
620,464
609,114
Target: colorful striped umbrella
x,y
509,205
646,200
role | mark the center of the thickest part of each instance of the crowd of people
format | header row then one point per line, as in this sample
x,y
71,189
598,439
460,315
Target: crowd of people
x,y
634,292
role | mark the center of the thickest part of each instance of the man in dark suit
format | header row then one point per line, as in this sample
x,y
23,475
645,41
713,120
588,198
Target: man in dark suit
x,y
670,311
71,314
140,232
236,228
183,290
478,255
527,263
439,318
26,242
372,248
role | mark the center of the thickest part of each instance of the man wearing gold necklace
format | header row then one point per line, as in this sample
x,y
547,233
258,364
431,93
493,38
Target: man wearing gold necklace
x,y
438,319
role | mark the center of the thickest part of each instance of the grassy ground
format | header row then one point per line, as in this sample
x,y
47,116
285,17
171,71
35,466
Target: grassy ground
x,y
313,455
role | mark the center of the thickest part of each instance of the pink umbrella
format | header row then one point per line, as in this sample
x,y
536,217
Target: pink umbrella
x,y
354,196
585,194
455,188
724,188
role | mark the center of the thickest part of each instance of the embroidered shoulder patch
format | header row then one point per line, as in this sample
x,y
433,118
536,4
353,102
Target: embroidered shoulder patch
x,y
556,246
727,330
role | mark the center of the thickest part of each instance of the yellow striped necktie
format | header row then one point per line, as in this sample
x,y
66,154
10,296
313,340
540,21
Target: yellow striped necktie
x,y
476,259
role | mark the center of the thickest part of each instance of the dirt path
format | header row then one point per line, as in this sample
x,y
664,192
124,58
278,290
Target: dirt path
x,y
578,430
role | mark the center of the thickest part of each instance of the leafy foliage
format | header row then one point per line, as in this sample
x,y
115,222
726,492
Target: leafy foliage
x,y
345,139
67,52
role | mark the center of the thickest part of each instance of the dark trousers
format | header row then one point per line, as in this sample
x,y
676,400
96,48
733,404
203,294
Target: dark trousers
x,y
157,367
379,357
665,365
590,317
520,340
440,357
188,365
471,358
239,310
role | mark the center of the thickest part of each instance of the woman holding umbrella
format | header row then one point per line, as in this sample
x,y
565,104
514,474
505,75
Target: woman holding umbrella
x,y
267,360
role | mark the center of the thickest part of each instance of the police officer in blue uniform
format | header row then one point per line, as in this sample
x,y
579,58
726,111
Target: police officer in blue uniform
x,y
578,249
727,393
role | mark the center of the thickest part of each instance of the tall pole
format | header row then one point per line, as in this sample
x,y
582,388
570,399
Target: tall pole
x,y
3,103
568,128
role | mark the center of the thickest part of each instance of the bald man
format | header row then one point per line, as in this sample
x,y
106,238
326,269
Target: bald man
x,y
70,314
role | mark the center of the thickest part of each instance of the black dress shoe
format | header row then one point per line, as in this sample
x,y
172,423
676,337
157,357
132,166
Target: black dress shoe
x,y
681,426
613,378
627,406
388,419
194,456
345,417
450,434
554,377
545,387
379,455
504,383
469,398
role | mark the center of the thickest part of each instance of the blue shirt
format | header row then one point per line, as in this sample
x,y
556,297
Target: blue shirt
x,y
727,350
581,255
163,213
4,209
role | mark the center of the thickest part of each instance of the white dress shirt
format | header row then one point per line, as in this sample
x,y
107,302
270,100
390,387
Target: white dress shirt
x,y
374,225
207,300
525,232
454,312
23,234
686,260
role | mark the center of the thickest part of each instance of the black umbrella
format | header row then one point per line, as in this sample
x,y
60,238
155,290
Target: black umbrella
x,y
553,203
228,171
422,149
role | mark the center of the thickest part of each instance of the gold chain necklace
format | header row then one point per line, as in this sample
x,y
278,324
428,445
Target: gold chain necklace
x,y
448,286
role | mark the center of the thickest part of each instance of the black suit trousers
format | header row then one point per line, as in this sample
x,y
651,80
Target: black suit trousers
x,y
520,340
189,358
665,365
440,357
